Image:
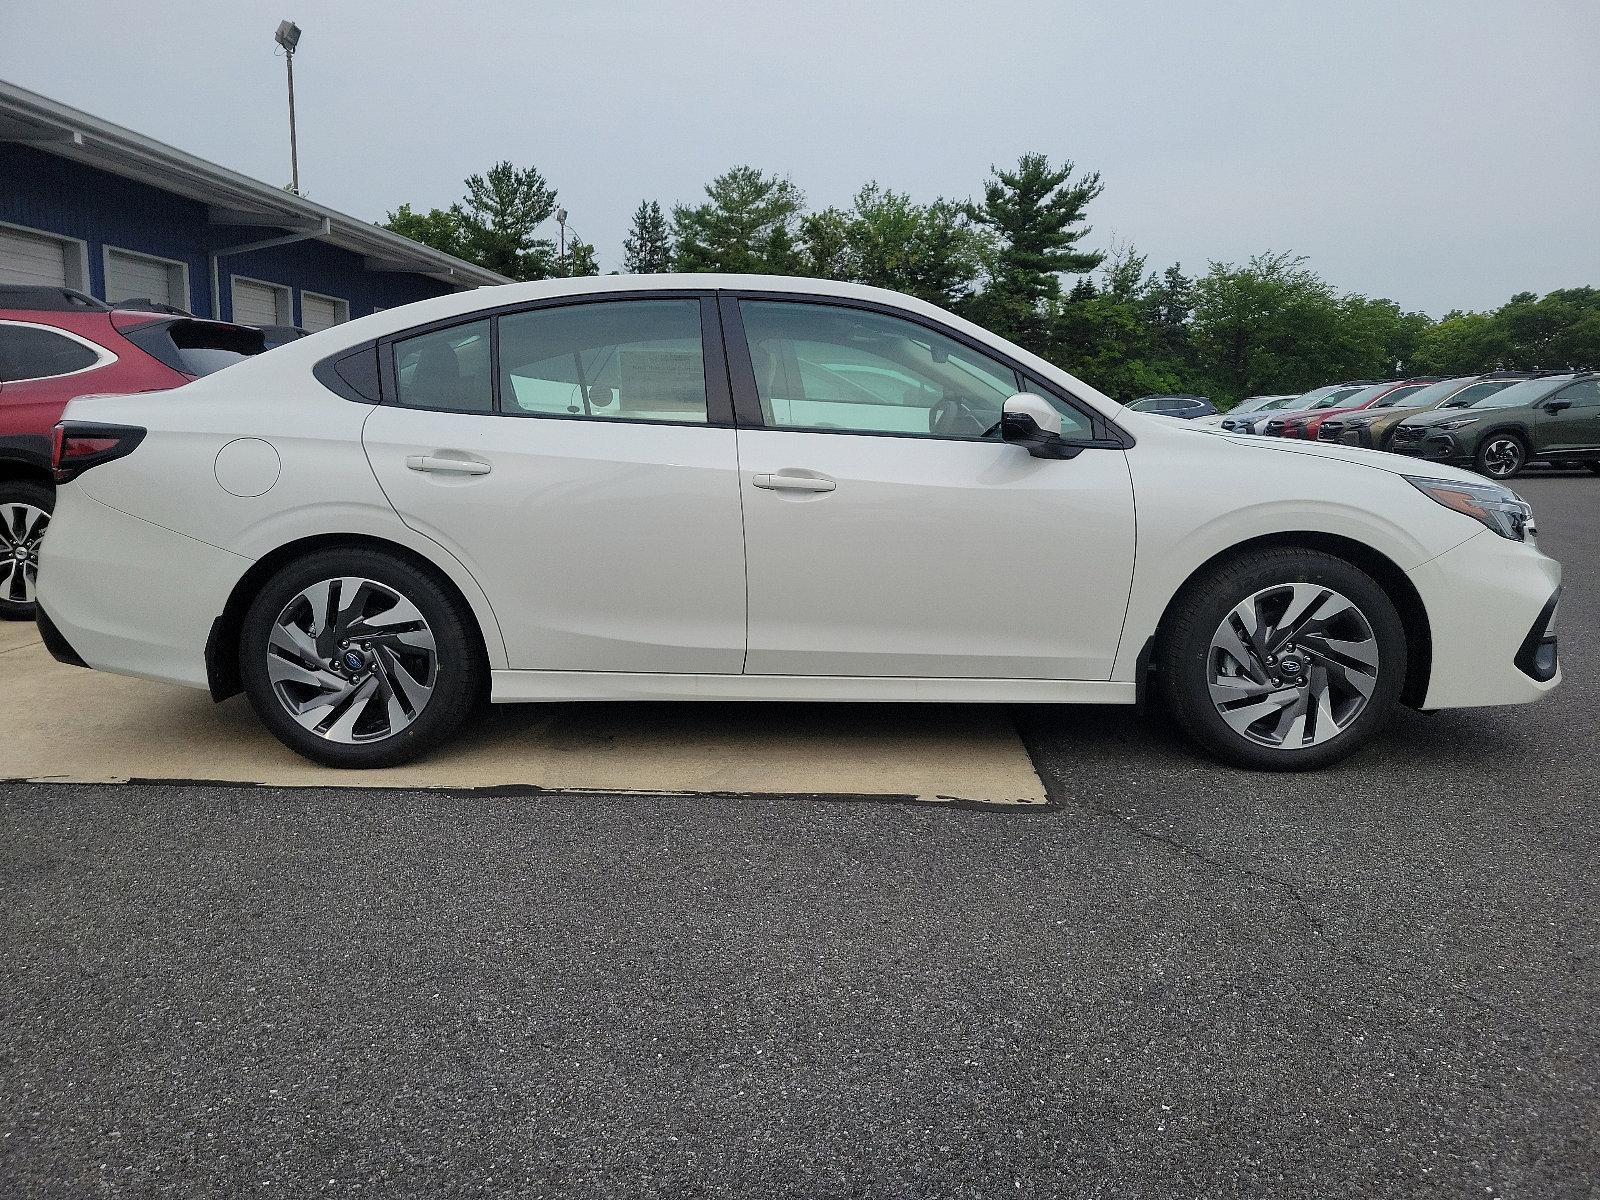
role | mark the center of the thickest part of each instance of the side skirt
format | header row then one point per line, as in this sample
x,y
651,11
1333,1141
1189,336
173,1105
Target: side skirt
x,y
513,687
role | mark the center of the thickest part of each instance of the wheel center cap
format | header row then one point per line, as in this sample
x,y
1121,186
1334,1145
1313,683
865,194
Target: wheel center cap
x,y
1290,666
354,660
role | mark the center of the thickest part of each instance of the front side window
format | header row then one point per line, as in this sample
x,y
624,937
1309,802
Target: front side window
x,y
446,369
1582,395
630,360
824,367
29,352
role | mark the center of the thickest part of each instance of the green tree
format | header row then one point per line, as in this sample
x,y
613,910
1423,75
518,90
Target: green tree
x,y
647,250
1461,343
885,239
580,260
437,227
1036,214
499,218
746,224
1166,308
1272,325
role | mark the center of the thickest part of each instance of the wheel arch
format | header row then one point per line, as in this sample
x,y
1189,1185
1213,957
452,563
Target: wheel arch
x,y
222,643
13,467
1400,589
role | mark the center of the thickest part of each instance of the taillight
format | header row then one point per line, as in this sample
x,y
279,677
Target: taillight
x,y
79,445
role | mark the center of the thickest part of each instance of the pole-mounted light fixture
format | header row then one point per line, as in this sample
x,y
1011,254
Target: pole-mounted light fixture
x,y
288,36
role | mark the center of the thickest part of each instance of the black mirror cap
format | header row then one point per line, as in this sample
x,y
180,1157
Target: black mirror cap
x,y
1022,430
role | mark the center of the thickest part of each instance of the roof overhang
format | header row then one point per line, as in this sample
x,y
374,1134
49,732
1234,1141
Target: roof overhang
x,y
231,199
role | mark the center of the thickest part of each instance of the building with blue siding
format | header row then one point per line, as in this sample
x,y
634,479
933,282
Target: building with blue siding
x,y
89,205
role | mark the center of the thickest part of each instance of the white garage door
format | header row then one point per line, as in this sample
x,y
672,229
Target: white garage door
x,y
137,277
30,259
259,303
322,312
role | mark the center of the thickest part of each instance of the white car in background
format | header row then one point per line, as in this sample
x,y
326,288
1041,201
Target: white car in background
x,y
1250,404
743,487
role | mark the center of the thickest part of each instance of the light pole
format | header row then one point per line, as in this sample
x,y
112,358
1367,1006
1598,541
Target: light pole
x,y
561,220
288,36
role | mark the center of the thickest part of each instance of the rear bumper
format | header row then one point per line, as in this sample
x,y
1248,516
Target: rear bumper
x,y
127,596
1487,600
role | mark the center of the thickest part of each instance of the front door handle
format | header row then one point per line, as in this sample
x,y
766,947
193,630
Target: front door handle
x,y
438,464
785,482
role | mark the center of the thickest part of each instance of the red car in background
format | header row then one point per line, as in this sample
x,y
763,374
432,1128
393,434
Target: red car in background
x,y
55,345
1307,424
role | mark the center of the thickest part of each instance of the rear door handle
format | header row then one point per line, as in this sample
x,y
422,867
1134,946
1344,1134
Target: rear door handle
x,y
440,465
785,482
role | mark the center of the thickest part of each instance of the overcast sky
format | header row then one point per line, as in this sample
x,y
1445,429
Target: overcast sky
x,y
1443,153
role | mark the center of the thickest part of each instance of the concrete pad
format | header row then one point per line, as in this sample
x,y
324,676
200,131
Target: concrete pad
x,y
65,723
17,633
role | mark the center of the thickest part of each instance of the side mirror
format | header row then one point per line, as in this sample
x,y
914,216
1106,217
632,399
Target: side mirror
x,y
1033,423
1556,406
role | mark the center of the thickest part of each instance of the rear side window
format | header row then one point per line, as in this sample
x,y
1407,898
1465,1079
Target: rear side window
x,y
1582,395
631,360
32,352
446,369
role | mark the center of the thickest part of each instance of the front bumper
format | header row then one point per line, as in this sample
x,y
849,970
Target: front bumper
x,y
1433,447
1487,601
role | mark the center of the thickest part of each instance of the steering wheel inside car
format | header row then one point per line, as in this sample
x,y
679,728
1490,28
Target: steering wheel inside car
x,y
951,418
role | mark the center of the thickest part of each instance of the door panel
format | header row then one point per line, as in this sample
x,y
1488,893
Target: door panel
x,y
1576,428
602,546
934,558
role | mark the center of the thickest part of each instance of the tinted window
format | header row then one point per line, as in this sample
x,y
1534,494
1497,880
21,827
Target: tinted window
x,y
1470,395
1529,391
1402,396
822,367
631,360
27,352
447,369
1582,395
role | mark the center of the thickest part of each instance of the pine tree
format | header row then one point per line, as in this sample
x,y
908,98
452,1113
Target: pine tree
x,y
1036,214
747,223
498,217
647,250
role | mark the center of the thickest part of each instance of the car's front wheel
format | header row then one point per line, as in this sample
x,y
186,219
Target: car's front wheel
x,y
1501,456
25,509
1284,659
354,658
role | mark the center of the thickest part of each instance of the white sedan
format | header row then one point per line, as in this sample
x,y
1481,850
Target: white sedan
x,y
740,487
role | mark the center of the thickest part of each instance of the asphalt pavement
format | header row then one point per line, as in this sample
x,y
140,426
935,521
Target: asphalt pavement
x,y
1180,980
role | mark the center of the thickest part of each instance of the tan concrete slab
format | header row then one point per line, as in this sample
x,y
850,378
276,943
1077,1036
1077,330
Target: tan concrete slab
x,y
17,633
66,723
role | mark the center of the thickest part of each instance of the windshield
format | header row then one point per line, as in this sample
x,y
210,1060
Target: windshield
x,y
1258,403
1529,391
1357,397
1320,397
1402,397
1429,395
1468,396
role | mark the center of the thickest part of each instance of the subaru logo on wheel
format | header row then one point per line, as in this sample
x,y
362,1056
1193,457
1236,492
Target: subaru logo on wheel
x,y
353,660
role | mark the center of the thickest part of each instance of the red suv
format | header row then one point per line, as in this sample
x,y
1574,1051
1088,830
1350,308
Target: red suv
x,y
55,345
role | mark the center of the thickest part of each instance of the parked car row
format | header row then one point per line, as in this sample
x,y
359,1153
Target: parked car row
x,y
1495,424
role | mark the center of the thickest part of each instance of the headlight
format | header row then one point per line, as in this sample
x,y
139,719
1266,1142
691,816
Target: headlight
x,y
1458,423
1501,509
1359,422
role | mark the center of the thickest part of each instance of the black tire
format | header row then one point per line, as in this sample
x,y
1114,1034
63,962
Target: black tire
x,y
1185,655
19,556
458,673
1501,455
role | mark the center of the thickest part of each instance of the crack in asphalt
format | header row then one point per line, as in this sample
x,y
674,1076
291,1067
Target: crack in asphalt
x,y
1298,898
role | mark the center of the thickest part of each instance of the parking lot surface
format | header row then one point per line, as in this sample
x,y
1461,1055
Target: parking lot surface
x,y
1180,979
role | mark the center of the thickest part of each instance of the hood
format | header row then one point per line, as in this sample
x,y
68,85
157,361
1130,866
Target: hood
x,y
1437,416
1397,464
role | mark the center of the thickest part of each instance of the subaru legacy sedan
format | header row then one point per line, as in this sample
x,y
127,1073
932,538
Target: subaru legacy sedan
x,y
744,487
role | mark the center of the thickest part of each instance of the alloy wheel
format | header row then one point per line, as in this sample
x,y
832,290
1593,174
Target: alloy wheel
x,y
22,528
352,660
1292,666
1502,458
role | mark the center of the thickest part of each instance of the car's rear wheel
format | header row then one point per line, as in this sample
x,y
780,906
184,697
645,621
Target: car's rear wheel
x,y
25,509
357,659
1502,456
1286,659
